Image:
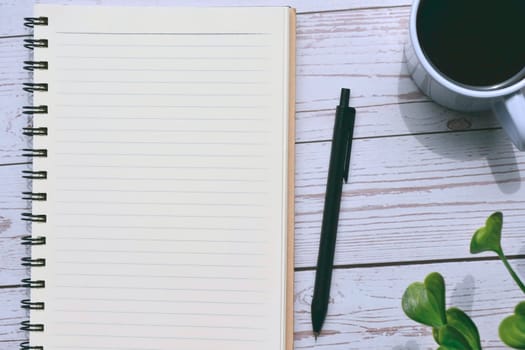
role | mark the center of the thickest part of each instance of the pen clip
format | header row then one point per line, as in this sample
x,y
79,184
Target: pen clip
x,y
349,138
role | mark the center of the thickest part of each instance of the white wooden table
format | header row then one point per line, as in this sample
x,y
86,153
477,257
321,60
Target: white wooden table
x,y
423,178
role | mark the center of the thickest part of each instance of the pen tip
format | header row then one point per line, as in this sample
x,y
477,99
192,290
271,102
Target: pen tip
x,y
316,334
345,97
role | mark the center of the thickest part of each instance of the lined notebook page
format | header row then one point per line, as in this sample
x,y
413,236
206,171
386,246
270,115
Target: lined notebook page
x,y
167,162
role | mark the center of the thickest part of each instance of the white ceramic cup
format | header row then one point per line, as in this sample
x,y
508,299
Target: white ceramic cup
x,y
507,102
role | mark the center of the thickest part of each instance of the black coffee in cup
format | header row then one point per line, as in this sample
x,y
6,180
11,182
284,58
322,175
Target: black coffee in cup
x,y
477,43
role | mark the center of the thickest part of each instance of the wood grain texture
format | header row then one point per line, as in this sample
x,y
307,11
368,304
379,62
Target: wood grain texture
x,y
365,308
11,231
10,317
360,49
423,178
12,228
12,13
409,196
393,120
12,187
406,195
12,98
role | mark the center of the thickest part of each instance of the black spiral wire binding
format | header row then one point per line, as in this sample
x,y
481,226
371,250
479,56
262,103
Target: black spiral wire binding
x,y
35,131
31,87
32,43
26,346
34,175
34,65
30,22
29,110
31,196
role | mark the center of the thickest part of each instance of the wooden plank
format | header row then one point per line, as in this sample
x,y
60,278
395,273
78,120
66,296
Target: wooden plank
x,y
12,98
12,186
408,195
393,119
11,230
361,50
328,58
11,316
13,11
365,308
300,5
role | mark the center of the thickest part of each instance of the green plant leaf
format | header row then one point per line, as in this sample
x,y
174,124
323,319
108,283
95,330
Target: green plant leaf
x,y
435,334
442,347
450,338
520,309
488,237
512,328
425,302
448,348
459,320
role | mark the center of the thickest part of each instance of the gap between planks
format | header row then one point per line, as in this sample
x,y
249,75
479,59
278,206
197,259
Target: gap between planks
x,y
353,9
299,13
413,262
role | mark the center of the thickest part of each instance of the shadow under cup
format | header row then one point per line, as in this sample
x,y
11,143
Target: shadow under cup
x,y
476,44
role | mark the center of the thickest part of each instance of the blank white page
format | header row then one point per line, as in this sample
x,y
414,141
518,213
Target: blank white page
x,y
167,178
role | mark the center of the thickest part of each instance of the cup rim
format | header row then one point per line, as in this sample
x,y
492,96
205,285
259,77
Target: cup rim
x,y
441,79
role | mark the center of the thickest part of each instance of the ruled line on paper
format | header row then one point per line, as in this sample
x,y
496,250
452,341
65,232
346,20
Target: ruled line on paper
x,y
161,143
83,93
240,340
216,131
141,167
215,179
104,238
247,205
74,262
251,315
87,69
169,301
76,346
158,191
164,33
173,215
133,251
107,154
182,325
230,58
120,287
153,228
76,44
156,82
249,119
257,107
150,276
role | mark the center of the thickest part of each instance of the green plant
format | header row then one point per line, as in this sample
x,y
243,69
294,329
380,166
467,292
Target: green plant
x,y
453,329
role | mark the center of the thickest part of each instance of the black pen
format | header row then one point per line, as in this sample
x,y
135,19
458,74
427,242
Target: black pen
x,y
337,172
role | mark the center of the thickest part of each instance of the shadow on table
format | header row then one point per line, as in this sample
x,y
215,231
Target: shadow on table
x,y
518,265
464,137
410,345
463,294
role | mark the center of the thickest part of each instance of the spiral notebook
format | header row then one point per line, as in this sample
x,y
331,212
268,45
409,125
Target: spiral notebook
x,y
162,179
